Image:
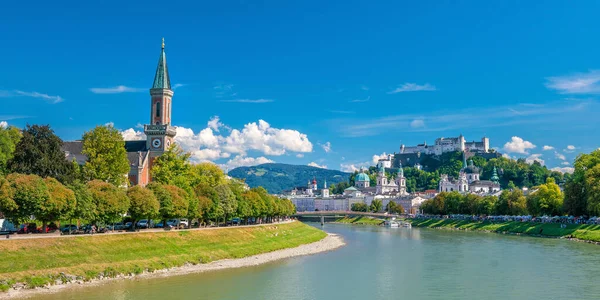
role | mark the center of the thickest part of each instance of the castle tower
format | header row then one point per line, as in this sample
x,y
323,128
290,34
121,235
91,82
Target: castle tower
x,y
400,180
159,132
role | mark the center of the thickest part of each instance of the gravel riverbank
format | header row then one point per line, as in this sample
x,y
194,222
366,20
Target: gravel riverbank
x,y
330,242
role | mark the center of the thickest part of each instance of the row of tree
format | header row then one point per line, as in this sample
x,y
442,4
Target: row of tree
x,y
377,206
36,180
546,199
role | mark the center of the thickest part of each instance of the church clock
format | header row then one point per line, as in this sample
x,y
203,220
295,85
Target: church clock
x,y
156,143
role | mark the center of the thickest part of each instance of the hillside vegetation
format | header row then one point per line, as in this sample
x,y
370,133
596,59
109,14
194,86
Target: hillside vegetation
x,y
276,178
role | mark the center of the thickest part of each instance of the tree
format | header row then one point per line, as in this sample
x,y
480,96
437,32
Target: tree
x,y
394,208
110,201
23,196
60,203
39,152
546,200
9,138
511,203
143,203
208,173
106,155
174,202
582,191
359,206
84,207
376,205
173,167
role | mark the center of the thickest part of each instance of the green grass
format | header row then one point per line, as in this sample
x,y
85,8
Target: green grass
x,y
38,262
360,220
582,232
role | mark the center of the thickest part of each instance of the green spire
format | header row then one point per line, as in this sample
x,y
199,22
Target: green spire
x,y
161,77
495,178
400,171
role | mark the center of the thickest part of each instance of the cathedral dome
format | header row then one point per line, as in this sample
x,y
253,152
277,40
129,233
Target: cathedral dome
x,y
471,169
362,177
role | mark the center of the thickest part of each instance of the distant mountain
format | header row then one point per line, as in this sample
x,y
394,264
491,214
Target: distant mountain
x,y
280,177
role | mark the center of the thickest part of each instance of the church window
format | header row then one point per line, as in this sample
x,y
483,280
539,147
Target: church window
x,y
158,109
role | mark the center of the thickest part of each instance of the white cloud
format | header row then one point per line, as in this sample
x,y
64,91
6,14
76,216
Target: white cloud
x,y
412,87
360,100
518,145
242,161
353,167
3,124
250,100
533,158
364,87
418,123
559,156
299,155
48,98
326,147
571,147
314,164
376,157
133,135
546,148
565,163
580,83
215,124
224,90
116,90
109,124
563,169
178,85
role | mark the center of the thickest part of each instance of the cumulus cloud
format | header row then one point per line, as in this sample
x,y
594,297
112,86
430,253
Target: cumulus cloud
x,y
243,161
116,90
299,155
133,135
518,145
326,147
563,169
533,158
314,164
565,163
209,144
353,167
412,87
215,124
580,83
559,156
418,123
546,148
3,124
571,147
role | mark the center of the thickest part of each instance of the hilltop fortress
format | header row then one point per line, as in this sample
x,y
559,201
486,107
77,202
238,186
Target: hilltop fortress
x,y
443,145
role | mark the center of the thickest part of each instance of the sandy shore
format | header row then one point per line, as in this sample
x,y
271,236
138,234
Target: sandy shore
x,y
329,243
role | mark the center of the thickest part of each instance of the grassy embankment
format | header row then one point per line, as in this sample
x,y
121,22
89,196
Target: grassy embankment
x,y
582,232
38,262
360,220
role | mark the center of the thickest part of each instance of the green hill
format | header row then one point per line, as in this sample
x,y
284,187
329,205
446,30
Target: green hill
x,y
280,177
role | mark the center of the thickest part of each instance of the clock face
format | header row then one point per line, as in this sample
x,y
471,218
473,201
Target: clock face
x,y
156,143
168,143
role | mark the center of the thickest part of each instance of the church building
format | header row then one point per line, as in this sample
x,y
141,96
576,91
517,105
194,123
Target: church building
x,y
159,131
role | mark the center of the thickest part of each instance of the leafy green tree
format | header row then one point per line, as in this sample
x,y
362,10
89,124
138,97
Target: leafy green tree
x,y
546,200
486,205
110,201
376,205
453,203
106,155
174,202
173,167
28,193
9,138
60,203
227,200
394,208
359,206
203,208
209,173
511,203
39,152
143,203
85,207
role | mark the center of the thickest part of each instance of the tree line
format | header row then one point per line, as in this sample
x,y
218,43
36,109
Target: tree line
x,y
36,180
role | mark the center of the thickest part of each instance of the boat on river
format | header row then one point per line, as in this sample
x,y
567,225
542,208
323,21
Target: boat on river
x,y
391,224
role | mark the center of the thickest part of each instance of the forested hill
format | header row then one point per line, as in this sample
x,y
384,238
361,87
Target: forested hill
x,y
280,177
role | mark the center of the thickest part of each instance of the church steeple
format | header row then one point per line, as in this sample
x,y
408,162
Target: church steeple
x,y
161,77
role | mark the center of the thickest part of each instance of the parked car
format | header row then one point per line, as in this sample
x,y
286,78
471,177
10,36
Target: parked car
x,y
7,227
234,221
145,224
184,223
70,228
28,228
173,223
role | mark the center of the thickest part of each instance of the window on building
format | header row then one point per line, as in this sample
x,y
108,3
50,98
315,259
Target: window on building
x,y
157,109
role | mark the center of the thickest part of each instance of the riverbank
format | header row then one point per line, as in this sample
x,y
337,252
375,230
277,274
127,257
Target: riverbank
x,y
359,220
45,265
580,232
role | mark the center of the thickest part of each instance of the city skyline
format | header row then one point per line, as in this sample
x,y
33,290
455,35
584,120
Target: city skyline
x,y
331,94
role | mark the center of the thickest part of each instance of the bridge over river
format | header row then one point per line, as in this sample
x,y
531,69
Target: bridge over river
x,y
336,214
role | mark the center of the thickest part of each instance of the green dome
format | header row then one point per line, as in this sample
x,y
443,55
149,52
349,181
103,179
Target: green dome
x,y
362,177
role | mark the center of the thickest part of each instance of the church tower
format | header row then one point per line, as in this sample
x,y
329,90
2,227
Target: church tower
x,y
159,132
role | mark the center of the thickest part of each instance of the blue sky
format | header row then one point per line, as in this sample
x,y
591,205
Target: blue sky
x,y
334,82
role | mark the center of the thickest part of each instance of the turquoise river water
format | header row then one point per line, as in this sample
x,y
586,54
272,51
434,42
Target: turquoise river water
x,y
391,263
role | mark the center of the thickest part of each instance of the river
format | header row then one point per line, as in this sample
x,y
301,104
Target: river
x,y
386,263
